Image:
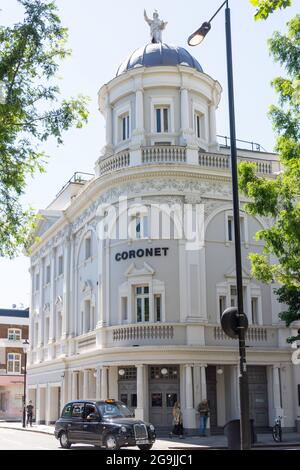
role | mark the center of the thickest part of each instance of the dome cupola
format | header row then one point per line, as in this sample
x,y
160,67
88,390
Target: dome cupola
x,y
156,55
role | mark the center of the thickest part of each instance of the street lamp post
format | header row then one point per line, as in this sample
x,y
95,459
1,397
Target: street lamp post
x,y
195,39
25,349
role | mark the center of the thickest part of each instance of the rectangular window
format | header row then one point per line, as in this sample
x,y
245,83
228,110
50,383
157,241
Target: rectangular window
x,y
199,125
157,307
142,304
254,310
77,410
141,226
230,228
48,273
88,248
60,265
14,363
125,127
233,297
162,119
222,304
124,308
14,335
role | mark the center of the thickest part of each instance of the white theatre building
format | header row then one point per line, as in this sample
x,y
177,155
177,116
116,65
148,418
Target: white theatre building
x,y
137,318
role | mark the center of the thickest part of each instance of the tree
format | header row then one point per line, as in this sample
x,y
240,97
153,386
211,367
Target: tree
x,y
30,113
279,198
266,7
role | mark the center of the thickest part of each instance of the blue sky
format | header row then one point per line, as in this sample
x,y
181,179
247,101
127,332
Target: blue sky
x,y
101,35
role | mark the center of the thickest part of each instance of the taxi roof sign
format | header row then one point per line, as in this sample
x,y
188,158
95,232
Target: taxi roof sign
x,y
110,400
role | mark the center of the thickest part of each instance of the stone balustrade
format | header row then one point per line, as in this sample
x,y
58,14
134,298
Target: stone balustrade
x,y
175,154
163,154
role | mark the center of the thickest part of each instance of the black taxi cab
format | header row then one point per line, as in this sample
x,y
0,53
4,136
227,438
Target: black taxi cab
x,y
105,423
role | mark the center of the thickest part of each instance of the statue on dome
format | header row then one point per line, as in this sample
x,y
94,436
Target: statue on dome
x,y
156,26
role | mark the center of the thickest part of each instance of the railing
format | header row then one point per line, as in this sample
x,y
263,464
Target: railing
x,y
143,332
253,145
163,154
255,334
214,160
116,162
79,178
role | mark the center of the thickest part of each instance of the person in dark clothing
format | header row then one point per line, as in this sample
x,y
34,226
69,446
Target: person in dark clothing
x,y
177,421
29,411
204,411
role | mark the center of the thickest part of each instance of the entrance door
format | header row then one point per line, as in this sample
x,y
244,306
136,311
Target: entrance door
x,y
211,384
127,387
258,395
163,393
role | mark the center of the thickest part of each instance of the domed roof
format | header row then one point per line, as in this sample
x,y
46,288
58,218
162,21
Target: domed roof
x,y
157,54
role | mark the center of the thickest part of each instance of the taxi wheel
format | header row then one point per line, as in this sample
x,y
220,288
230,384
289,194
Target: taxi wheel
x,y
145,446
64,441
111,443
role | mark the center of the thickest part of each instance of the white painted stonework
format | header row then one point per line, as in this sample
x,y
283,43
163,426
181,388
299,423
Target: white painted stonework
x,y
84,326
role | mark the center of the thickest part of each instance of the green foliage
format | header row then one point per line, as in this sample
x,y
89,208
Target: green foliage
x,y
279,198
30,112
265,7
290,295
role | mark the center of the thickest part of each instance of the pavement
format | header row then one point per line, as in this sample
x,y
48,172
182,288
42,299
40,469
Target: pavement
x,y
265,440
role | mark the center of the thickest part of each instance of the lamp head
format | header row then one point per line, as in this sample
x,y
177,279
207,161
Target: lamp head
x,y
198,36
25,345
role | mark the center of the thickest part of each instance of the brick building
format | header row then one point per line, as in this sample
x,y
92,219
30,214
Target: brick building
x,y
13,331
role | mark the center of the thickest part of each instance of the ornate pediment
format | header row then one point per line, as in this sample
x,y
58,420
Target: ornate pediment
x,y
146,270
232,274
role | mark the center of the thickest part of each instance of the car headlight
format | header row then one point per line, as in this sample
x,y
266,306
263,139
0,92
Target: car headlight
x,y
152,428
123,429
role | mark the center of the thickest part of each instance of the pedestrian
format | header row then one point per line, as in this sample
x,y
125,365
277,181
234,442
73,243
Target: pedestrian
x,y
29,410
177,421
203,410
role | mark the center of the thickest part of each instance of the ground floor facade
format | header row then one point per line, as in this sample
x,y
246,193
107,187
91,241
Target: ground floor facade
x,y
150,382
11,394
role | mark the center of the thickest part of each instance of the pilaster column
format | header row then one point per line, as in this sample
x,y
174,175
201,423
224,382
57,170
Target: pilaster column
x,y
109,125
139,412
66,286
41,304
234,392
189,413
86,383
31,315
38,405
212,126
139,111
48,404
72,302
277,391
197,385
203,382
188,387
184,100
98,382
104,383
52,323
75,385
